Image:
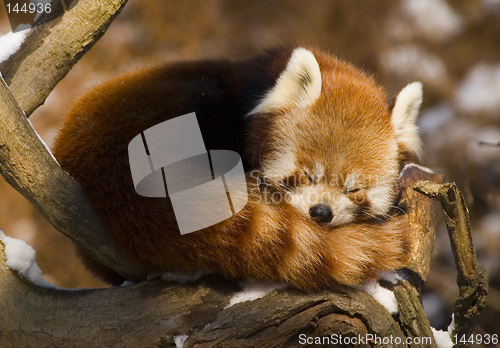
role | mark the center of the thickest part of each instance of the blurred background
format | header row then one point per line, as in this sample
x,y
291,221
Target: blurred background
x,y
452,46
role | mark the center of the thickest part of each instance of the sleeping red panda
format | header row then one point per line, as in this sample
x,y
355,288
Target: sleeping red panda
x,y
308,126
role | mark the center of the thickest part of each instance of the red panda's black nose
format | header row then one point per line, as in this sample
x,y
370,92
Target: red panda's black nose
x,y
321,213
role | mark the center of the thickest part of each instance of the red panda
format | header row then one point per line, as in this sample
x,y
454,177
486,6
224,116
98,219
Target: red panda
x,y
308,126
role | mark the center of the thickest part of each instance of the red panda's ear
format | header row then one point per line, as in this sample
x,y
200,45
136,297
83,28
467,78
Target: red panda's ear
x,y
404,116
298,85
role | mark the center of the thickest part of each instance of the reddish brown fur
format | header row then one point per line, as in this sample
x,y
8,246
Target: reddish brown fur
x,y
269,241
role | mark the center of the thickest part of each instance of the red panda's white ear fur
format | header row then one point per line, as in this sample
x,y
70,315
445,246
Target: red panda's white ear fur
x,y
298,85
404,116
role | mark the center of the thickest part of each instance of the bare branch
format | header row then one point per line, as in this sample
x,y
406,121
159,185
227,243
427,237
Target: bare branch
x,y
152,313
50,50
472,279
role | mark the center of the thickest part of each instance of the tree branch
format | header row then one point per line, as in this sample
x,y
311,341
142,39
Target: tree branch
x,y
152,313
421,217
472,279
27,165
50,50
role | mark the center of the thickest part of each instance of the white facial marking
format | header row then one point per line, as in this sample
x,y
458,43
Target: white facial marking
x,y
380,198
341,197
317,173
280,165
305,197
352,182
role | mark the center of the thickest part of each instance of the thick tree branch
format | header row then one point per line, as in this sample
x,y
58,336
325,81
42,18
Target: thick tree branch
x,y
27,165
151,314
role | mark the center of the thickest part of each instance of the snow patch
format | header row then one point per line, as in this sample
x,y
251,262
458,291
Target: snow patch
x,y
21,257
179,340
395,277
252,291
444,338
479,91
11,41
384,296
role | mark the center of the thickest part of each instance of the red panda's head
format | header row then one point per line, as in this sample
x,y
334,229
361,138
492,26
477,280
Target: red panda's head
x,y
329,139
